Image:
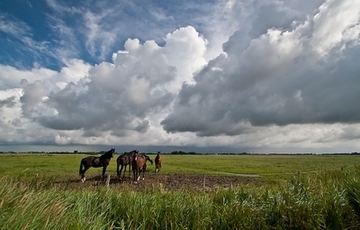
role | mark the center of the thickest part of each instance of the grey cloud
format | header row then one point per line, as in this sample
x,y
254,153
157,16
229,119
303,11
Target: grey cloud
x,y
95,110
142,126
276,79
350,133
272,15
115,97
16,122
33,94
8,102
306,7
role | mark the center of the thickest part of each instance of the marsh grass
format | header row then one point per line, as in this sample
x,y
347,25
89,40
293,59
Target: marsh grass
x,y
325,200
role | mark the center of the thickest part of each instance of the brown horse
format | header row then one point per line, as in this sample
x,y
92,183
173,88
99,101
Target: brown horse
x,y
158,160
124,160
96,162
139,164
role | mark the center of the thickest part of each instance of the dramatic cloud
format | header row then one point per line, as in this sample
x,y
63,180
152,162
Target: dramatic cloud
x,y
118,96
299,75
230,75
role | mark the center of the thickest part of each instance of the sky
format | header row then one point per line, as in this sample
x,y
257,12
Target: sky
x,y
257,76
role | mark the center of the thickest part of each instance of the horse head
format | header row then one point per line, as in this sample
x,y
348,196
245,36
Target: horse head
x,y
136,155
112,152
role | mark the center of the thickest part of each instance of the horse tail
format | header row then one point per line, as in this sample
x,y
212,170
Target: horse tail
x,y
148,158
81,168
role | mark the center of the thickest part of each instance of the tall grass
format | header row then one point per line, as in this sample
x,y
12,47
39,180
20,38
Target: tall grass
x,y
327,200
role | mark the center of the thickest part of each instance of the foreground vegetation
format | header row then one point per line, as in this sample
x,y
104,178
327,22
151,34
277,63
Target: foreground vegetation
x,y
324,201
327,198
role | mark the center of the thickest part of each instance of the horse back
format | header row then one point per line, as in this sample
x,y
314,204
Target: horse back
x,y
96,162
140,162
124,159
87,160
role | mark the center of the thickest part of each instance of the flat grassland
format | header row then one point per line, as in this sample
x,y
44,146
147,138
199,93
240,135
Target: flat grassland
x,y
178,171
43,191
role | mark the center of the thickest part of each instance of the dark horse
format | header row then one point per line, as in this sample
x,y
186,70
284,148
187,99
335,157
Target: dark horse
x,y
139,164
124,160
96,162
158,160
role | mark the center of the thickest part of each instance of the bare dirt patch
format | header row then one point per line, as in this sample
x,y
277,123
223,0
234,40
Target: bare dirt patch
x,y
171,182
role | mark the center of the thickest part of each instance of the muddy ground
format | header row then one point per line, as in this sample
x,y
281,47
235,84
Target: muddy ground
x,y
169,182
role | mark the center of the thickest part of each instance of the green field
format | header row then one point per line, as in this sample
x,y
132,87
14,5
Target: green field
x,y
311,192
266,166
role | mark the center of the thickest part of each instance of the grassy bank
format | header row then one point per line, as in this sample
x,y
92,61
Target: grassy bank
x,y
325,200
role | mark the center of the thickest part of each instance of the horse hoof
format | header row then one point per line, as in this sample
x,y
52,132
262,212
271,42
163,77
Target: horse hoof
x,y
138,178
135,182
143,178
83,180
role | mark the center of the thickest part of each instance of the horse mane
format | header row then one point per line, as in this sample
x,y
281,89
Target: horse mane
x,y
131,152
108,154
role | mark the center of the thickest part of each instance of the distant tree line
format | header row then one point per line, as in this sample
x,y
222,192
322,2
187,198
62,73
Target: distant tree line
x,y
179,153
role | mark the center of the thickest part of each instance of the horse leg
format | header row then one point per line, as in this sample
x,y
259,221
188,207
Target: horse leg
x,y
103,172
80,169
129,171
141,171
125,170
82,172
122,166
138,171
135,175
83,178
